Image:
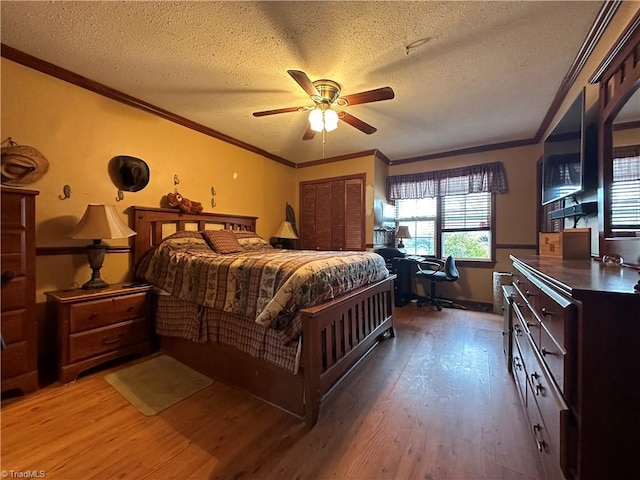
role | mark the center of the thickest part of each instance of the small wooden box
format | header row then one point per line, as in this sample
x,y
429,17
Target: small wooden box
x,y
573,243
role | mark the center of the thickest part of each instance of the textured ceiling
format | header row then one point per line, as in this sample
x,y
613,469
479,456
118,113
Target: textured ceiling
x,y
486,72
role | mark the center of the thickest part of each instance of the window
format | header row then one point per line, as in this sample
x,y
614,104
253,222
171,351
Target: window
x,y
625,196
420,216
463,223
466,226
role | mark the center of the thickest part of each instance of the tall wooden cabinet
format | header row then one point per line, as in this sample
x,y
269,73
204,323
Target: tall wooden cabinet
x,y
575,339
332,213
18,327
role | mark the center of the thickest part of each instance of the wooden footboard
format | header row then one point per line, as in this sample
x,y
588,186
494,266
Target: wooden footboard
x,y
338,334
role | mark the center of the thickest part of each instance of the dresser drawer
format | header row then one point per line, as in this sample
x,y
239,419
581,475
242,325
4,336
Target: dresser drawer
x,y
14,208
549,416
100,340
557,361
89,315
130,307
14,294
14,360
517,368
15,263
526,320
558,316
13,324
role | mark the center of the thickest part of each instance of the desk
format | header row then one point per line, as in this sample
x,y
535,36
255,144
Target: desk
x,y
405,269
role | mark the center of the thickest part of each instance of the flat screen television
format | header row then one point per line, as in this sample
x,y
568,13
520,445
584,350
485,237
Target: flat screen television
x,y
569,162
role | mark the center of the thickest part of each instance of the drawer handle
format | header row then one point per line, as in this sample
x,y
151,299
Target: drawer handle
x,y
546,313
539,388
106,341
529,294
7,276
516,363
540,443
93,315
517,329
131,308
545,352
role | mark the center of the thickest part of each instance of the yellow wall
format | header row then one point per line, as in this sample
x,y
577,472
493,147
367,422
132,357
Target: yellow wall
x,y
80,131
351,166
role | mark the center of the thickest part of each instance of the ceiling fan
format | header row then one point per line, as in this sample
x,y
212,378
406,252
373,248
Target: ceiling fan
x,y
325,94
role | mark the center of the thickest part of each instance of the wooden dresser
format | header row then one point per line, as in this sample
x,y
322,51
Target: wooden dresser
x,y
95,326
575,346
18,327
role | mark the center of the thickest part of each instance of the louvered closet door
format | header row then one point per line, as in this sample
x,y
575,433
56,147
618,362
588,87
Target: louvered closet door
x,y
337,215
308,216
333,215
323,216
354,215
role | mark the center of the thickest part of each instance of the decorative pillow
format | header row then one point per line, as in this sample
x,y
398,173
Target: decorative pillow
x,y
222,241
251,240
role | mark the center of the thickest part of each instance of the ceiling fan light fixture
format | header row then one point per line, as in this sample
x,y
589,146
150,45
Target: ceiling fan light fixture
x,y
323,118
316,120
330,120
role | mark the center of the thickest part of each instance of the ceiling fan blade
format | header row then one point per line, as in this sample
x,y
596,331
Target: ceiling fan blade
x,y
308,133
305,82
278,110
377,95
357,123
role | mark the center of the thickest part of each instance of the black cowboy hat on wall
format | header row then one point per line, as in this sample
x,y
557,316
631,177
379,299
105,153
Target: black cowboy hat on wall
x,y
129,174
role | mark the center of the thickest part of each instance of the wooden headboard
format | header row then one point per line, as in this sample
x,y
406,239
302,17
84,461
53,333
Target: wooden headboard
x,y
148,224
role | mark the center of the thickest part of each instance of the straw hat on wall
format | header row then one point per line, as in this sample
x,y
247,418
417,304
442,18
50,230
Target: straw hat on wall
x,y
22,165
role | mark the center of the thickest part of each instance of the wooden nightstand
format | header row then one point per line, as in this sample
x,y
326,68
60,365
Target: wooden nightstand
x,y
94,326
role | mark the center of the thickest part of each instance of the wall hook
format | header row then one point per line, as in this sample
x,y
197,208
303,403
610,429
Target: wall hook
x,y
213,194
120,196
66,193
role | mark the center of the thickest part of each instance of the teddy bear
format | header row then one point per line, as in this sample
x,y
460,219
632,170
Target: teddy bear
x,y
185,205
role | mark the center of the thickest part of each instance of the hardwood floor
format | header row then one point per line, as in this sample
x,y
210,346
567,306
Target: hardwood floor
x,y
434,403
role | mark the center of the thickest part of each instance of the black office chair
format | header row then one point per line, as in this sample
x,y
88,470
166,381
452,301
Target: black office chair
x,y
444,271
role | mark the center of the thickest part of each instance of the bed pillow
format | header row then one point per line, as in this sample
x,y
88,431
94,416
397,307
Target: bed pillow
x,y
222,241
251,240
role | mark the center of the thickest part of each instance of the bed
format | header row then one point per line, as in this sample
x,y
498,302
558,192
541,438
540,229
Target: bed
x,y
300,355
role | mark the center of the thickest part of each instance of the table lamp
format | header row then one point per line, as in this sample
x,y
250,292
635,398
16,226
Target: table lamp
x,y
97,223
402,233
286,232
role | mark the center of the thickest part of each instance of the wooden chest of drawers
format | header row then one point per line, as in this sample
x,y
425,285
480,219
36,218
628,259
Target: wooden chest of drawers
x,y
575,325
19,329
94,326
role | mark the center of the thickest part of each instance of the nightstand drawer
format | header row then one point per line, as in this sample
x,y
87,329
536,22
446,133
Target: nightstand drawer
x,y
100,340
130,307
14,360
89,315
13,326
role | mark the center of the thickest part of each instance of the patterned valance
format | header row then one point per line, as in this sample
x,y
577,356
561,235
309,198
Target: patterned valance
x,y
490,177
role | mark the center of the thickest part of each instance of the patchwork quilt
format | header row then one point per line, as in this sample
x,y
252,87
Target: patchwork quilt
x,y
265,284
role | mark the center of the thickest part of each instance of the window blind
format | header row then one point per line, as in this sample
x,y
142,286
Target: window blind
x,y
466,212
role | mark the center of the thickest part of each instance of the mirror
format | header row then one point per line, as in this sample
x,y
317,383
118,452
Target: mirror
x,y
618,77
624,190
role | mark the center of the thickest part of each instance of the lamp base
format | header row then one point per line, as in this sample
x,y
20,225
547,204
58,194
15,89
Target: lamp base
x,y
95,255
94,284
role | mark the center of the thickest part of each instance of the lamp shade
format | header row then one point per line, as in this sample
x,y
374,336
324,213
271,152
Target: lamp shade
x,y
286,231
403,232
99,222
330,120
316,120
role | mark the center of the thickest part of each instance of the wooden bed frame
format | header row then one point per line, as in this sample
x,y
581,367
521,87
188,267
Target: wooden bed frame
x,y
336,334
